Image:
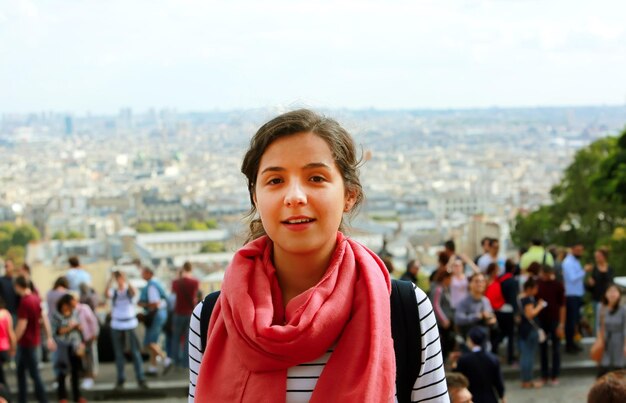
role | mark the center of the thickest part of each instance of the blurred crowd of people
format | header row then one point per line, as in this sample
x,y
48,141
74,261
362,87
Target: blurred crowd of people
x,y
63,327
490,312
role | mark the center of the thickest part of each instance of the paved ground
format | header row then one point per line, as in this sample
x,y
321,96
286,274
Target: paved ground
x,y
577,378
572,389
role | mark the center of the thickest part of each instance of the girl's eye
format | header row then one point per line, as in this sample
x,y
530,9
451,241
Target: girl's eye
x,y
317,179
274,181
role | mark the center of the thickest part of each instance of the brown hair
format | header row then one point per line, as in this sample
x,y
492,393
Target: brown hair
x,y
338,139
73,261
442,275
610,388
604,251
187,266
471,278
456,380
534,268
492,269
443,258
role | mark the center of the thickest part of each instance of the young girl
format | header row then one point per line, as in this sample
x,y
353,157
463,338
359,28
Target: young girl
x,y
304,311
66,329
613,328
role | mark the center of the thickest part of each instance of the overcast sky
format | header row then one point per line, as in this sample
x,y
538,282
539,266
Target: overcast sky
x,y
99,56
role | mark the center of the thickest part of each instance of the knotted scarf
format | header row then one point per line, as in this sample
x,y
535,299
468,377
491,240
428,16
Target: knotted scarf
x,y
253,339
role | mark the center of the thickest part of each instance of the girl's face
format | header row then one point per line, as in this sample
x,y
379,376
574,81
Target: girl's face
x,y
599,257
300,195
612,295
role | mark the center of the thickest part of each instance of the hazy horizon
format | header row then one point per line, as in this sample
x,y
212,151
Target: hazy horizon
x,y
206,55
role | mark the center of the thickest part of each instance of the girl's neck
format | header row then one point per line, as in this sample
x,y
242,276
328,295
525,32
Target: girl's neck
x,y
298,273
602,266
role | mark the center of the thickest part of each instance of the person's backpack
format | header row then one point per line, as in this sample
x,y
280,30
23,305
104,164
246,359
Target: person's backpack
x,y
405,330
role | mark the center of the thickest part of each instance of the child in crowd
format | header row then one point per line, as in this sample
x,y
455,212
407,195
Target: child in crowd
x,y
66,328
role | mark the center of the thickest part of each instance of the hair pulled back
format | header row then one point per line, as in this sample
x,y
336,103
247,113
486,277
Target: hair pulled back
x,y
338,139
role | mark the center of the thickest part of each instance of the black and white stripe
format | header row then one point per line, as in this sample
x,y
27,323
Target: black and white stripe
x,y
430,385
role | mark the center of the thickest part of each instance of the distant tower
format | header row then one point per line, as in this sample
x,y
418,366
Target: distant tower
x,y
125,118
69,125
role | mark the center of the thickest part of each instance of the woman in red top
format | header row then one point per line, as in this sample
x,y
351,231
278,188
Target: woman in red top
x,y
494,295
7,339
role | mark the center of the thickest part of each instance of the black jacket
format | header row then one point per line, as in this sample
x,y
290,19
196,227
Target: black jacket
x,y
482,370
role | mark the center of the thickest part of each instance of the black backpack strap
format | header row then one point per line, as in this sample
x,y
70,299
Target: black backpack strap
x,y
205,317
407,337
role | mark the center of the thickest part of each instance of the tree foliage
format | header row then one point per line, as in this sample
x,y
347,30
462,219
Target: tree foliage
x,y
166,226
16,253
212,247
195,225
144,227
24,234
588,205
14,238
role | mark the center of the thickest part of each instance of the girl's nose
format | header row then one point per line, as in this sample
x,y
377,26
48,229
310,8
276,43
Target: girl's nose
x,y
295,195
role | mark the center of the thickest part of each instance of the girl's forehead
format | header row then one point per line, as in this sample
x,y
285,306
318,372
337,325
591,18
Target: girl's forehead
x,y
305,144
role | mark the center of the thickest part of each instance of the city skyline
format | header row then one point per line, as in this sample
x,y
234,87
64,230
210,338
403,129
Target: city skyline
x,y
205,55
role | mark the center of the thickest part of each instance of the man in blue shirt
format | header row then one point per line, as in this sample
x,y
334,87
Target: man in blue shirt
x,y
573,276
76,275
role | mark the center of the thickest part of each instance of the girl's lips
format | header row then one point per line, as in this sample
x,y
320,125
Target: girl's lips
x,y
299,224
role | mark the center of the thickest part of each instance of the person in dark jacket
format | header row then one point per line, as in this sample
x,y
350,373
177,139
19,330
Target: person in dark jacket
x,y
482,369
510,309
412,268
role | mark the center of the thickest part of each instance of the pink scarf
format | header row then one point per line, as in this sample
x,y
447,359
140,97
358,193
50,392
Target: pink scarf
x,y
250,347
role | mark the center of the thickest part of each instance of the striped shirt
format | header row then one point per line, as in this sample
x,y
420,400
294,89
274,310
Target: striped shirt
x,y
430,385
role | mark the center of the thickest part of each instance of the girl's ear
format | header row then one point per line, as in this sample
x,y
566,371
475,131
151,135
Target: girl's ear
x,y
351,197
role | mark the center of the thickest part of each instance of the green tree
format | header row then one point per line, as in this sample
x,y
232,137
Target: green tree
x,y
75,235
610,180
25,234
7,227
212,247
17,254
585,208
165,226
211,223
195,225
59,235
144,227
5,242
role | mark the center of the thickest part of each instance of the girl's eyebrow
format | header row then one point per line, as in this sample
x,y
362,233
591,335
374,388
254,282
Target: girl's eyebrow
x,y
311,165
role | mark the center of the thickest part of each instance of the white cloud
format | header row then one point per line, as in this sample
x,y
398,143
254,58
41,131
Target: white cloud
x,y
195,54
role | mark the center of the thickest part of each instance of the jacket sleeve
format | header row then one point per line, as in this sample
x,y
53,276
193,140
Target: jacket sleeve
x,y
497,378
441,316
